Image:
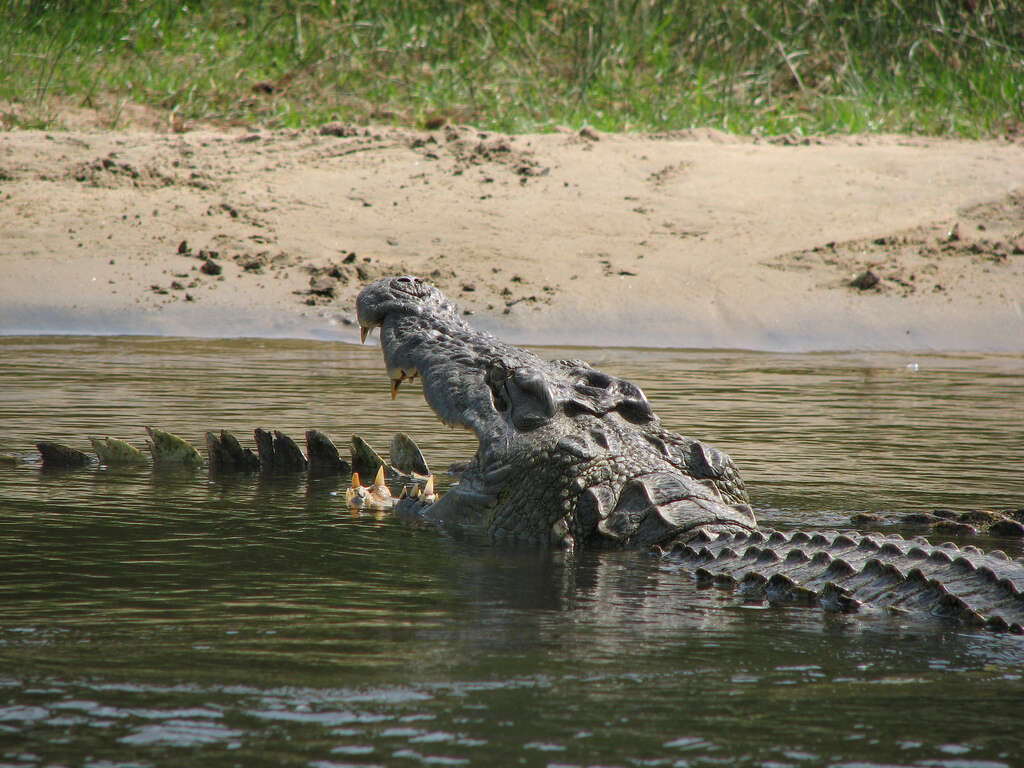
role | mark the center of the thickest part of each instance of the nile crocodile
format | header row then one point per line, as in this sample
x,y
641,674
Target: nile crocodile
x,y
571,455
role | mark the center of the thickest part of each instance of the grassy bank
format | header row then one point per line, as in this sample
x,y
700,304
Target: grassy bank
x,y
940,67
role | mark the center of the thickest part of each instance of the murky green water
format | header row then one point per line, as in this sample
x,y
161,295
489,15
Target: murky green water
x,y
154,619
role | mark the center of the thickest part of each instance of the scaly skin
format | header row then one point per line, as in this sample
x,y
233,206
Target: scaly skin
x,y
567,453
572,455
845,571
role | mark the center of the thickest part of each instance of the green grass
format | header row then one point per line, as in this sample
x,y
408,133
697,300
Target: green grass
x,y
945,67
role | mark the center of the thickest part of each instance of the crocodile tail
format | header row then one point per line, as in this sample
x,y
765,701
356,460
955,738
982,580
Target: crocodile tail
x,y
851,572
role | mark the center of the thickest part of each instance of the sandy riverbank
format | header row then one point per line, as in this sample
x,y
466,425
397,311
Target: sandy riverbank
x,y
684,240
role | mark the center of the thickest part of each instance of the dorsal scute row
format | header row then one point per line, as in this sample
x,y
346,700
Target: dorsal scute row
x,y
849,572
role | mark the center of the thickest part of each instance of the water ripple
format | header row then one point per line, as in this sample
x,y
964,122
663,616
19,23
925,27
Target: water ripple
x,y
250,620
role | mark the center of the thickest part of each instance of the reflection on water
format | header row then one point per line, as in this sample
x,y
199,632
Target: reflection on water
x,y
153,619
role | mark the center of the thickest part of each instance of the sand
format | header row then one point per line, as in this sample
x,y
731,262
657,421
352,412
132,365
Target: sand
x,y
694,239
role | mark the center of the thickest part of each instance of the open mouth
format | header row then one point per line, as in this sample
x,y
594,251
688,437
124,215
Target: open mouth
x,y
561,444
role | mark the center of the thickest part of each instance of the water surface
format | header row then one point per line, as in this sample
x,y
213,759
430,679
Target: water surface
x,y
167,619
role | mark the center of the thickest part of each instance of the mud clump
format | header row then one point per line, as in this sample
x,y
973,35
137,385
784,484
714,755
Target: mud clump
x,y
865,281
336,280
934,258
111,172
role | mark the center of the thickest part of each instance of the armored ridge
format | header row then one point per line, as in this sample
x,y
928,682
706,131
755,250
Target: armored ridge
x,y
850,572
276,454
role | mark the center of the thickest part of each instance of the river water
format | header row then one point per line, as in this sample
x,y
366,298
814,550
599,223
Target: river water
x,y
166,619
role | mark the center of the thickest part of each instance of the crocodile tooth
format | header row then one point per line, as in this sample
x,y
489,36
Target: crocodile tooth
x,y
363,331
378,481
353,495
428,488
394,387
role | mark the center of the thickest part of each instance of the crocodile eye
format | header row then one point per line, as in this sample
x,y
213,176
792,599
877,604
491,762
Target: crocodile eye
x,y
533,383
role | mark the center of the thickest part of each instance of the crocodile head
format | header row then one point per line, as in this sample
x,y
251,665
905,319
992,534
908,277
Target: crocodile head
x,y
566,453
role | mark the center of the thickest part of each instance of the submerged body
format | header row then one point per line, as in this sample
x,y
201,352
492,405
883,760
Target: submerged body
x,y
571,455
